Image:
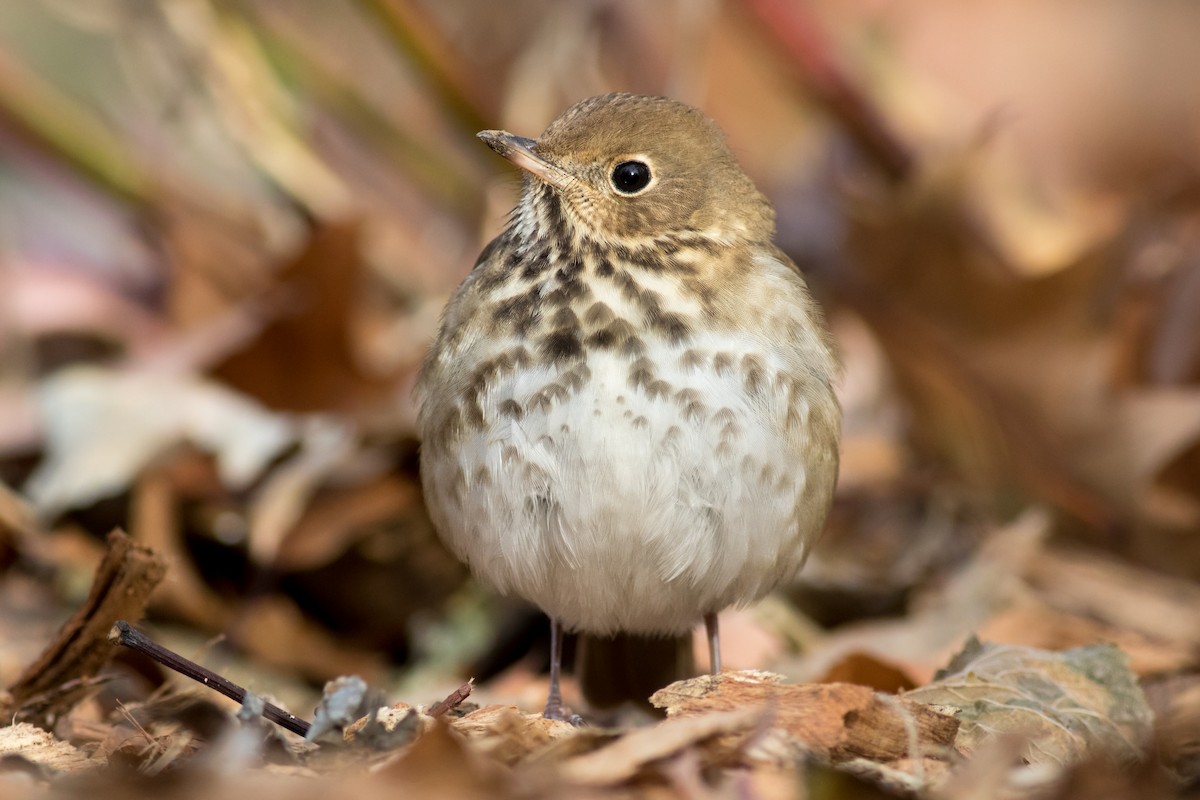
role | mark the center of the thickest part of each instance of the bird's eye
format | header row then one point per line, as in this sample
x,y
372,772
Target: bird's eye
x,y
630,177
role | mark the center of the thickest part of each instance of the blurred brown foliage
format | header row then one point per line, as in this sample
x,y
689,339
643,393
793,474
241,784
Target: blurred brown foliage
x,y
227,229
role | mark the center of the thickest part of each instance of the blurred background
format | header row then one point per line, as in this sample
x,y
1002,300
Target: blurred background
x,y
228,227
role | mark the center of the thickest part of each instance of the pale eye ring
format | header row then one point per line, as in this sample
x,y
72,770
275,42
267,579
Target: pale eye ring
x,y
631,177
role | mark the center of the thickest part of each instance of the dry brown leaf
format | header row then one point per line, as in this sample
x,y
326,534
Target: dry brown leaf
x,y
439,764
1124,595
1032,623
865,669
508,736
64,672
838,721
638,749
305,360
337,516
940,619
275,631
1176,704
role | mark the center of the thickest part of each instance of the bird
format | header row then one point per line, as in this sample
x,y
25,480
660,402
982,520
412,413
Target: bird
x,y
628,414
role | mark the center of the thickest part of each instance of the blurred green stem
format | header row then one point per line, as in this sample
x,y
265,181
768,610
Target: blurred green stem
x,y
423,164
416,36
54,123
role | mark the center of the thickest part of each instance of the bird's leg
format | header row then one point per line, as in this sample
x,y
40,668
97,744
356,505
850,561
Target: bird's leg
x,y
714,642
554,703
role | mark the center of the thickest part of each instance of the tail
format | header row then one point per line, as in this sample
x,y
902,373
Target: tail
x,y
628,668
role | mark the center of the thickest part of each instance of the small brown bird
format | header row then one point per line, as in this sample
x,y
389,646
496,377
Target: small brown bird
x,y
628,414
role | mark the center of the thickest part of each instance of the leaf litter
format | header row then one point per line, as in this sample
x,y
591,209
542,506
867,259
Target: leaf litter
x,y
232,230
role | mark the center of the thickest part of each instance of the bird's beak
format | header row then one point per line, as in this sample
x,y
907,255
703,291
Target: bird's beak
x,y
519,151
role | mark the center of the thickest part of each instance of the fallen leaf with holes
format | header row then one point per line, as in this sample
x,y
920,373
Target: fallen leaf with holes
x,y
1068,705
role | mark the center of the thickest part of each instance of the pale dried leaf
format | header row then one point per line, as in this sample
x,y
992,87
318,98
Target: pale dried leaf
x,y
508,736
1069,705
40,747
103,427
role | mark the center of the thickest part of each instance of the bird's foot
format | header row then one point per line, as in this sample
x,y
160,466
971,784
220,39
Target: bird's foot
x,y
559,711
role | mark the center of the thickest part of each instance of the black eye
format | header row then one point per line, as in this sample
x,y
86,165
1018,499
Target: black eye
x,y
630,177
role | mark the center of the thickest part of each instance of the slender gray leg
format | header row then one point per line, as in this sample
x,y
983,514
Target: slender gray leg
x,y
714,642
554,703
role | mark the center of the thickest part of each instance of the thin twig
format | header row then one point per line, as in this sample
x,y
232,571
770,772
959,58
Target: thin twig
x,y
453,700
124,634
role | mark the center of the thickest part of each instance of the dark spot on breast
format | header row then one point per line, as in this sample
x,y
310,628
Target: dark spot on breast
x,y
535,263
723,363
512,409
641,373
691,359
686,397
602,339
575,377
473,414
633,346
704,244
458,485
566,291
564,318
669,324
572,270
521,357
545,398
641,422
725,417
704,291
727,420
753,373
658,389
604,268
448,430
555,222
482,476
766,475
495,264
492,368
562,345
520,311
630,289
667,245
614,336
598,314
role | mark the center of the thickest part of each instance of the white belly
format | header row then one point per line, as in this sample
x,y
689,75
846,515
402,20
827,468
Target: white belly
x,y
635,507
